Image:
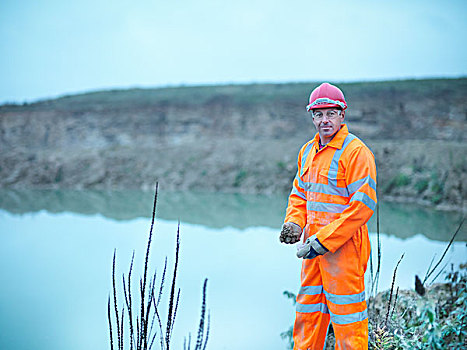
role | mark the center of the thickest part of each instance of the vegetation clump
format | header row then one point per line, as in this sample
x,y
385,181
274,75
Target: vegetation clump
x,y
437,320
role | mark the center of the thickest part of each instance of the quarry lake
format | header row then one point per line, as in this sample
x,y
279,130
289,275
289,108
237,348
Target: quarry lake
x,y
56,250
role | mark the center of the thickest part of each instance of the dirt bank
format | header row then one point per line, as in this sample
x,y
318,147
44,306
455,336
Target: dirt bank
x,y
241,138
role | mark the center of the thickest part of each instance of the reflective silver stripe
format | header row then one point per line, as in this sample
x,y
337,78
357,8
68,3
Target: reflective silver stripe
x,y
302,184
354,186
350,318
326,207
309,308
305,156
365,199
326,189
296,192
345,299
316,245
311,290
331,188
334,167
324,100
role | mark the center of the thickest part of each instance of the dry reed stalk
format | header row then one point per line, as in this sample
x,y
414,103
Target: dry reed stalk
x,y
141,318
130,315
392,289
145,323
431,264
121,327
161,334
137,332
110,325
147,288
378,265
162,283
207,331
172,292
115,299
440,272
395,302
199,341
444,253
152,300
152,284
375,278
151,336
371,267
152,340
175,310
143,286
129,301
185,346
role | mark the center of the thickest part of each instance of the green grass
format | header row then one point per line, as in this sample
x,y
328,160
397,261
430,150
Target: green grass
x,y
247,94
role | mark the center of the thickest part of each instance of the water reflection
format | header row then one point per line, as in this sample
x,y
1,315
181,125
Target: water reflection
x,y
55,278
218,210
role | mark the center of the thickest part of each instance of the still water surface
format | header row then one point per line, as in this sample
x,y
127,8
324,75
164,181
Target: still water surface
x,y
56,251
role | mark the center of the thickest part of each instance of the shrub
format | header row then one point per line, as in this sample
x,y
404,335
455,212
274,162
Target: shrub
x,y
401,180
241,175
437,320
421,185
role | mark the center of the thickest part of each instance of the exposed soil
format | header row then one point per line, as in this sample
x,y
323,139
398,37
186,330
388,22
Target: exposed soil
x,y
241,138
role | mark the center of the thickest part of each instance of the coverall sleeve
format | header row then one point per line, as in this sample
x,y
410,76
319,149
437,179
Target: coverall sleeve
x,y
296,209
360,176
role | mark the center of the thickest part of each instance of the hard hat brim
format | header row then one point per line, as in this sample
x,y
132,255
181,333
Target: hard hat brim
x,y
312,106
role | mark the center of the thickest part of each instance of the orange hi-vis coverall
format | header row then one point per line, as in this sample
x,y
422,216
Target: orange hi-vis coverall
x,y
333,197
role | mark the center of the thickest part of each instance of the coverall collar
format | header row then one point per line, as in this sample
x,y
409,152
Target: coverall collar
x,y
338,140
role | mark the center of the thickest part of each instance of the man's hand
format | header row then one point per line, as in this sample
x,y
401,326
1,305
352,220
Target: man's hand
x,y
311,248
290,233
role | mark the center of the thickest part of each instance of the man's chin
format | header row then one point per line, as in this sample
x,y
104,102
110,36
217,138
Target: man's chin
x,y
327,131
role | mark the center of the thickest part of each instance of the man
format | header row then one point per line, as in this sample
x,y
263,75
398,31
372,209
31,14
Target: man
x,y
333,196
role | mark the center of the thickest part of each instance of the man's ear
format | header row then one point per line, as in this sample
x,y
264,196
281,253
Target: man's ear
x,y
343,115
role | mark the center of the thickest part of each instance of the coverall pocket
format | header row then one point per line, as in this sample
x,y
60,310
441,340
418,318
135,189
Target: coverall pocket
x,y
333,177
336,182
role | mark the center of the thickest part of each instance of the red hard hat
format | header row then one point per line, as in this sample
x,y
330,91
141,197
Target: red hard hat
x,y
326,96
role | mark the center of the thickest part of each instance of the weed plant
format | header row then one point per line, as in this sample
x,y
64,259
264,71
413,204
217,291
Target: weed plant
x,y
430,318
437,320
143,323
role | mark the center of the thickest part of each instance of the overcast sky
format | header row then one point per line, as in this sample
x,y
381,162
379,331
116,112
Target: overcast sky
x,y
53,47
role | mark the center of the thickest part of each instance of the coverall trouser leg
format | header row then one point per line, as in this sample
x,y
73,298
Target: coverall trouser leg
x,y
333,290
312,316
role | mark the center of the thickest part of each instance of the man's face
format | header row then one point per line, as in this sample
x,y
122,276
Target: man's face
x,y
327,121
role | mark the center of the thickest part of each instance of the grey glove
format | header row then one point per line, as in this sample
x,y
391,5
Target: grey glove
x,y
311,248
290,233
